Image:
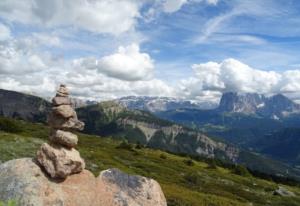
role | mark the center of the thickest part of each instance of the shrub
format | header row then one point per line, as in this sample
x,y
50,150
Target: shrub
x,y
192,179
162,156
125,145
189,162
139,145
242,171
9,125
212,164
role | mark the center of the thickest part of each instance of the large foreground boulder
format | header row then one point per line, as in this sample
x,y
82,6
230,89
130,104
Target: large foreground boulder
x,y
24,181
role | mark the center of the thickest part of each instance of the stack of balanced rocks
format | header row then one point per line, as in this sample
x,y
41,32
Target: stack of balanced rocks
x,y
59,158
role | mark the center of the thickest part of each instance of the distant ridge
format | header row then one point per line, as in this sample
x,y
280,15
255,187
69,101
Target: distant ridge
x,y
23,106
274,107
158,104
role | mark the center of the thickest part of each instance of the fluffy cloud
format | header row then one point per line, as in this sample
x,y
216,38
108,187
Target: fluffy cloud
x,y
17,60
4,32
105,16
25,67
212,79
213,2
232,75
173,5
127,64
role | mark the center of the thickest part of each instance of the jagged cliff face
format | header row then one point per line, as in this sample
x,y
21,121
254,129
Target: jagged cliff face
x,y
22,106
245,103
274,107
111,119
279,106
175,138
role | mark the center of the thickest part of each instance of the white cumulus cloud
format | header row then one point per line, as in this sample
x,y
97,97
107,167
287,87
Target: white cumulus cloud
x,y
211,79
128,63
4,32
105,16
170,6
213,2
173,5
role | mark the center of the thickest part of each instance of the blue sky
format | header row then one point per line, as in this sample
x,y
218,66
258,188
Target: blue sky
x,y
190,49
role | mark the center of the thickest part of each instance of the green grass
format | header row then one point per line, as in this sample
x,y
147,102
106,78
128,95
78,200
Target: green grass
x,y
184,184
8,203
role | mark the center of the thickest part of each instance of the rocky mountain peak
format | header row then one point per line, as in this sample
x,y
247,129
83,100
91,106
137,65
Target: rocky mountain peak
x,y
279,105
244,103
252,103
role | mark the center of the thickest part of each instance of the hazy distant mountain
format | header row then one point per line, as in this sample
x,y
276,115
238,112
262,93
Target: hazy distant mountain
x,y
77,103
276,107
253,121
247,103
157,104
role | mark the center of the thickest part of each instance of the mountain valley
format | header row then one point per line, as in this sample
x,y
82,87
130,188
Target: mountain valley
x,y
228,136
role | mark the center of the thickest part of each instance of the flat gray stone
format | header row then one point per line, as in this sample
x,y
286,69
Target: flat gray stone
x,y
63,138
66,111
56,101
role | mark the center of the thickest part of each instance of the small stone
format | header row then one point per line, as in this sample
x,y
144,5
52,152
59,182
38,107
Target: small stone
x,y
58,94
64,138
63,90
281,191
58,161
65,111
57,101
58,122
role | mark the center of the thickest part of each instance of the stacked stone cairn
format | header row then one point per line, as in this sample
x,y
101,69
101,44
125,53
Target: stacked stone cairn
x,y
59,158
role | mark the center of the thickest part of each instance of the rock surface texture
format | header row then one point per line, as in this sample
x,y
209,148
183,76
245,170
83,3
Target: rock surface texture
x,y
59,158
24,181
281,191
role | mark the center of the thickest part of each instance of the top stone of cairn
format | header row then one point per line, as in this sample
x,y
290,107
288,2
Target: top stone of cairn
x,y
62,91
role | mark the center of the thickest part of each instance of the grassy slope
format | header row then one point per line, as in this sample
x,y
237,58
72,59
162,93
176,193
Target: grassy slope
x,y
182,184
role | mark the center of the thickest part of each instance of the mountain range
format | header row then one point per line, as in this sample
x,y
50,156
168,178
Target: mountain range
x,y
158,104
190,131
112,119
267,125
275,107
